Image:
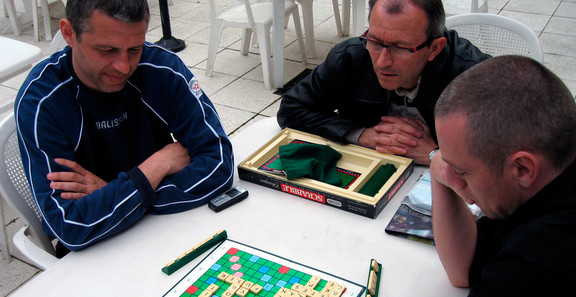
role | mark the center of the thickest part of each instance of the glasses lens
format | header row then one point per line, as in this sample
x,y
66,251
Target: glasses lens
x,y
374,46
369,45
377,48
398,51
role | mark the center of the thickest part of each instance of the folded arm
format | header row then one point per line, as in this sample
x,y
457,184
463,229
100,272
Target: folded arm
x,y
80,182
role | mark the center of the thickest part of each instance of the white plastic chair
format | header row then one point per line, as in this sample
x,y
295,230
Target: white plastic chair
x,y
10,11
496,34
255,17
359,14
476,7
4,246
31,8
358,11
45,17
58,43
45,6
31,239
308,20
454,7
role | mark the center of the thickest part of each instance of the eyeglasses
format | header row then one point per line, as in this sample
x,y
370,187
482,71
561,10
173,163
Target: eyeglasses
x,y
397,51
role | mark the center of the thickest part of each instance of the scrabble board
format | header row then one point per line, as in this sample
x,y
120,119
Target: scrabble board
x,y
234,269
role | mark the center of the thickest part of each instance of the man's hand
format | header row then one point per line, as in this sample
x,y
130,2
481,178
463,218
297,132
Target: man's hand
x,y
171,159
75,184
400,136
453,224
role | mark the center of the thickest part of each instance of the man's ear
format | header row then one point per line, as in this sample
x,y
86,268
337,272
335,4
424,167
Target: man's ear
x,y
67,32
526,168
436,47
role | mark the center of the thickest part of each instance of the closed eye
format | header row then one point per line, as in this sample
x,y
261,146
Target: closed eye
x,y
458,172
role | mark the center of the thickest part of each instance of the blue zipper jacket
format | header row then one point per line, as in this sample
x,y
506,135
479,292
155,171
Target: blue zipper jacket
x,y
110,134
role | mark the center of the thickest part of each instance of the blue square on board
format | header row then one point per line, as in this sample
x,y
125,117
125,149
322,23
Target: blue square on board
x,y
211,280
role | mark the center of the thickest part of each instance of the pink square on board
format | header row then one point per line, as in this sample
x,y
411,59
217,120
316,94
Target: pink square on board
x,y
238,274
234,259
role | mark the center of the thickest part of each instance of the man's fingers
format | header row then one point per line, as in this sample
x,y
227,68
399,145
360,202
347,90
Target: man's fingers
x,y
71,196
396,140
391,150
72,165
400,125
65,176
403,139
67,186
75,184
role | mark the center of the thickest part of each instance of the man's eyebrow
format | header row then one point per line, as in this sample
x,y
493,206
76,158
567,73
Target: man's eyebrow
x,y
397,42
112,46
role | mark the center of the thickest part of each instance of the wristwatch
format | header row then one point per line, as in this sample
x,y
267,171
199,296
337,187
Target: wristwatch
x,y
432,153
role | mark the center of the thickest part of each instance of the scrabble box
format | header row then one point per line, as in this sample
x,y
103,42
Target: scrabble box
x,y
356,167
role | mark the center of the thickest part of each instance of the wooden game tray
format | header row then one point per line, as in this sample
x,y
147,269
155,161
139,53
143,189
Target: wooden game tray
x,y
354,158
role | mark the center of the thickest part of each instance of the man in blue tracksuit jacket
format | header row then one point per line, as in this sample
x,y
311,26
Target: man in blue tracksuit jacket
x,y
97,123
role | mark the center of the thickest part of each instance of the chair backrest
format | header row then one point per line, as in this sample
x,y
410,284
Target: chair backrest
x,y
231,11
14,185
496,34
58,43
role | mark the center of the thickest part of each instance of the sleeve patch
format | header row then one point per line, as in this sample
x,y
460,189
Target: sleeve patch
x,y
195,87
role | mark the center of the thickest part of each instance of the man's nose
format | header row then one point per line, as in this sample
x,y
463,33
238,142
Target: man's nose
x,y
121,63
384,58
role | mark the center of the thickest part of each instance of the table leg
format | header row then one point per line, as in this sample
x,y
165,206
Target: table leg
x,y
308,16
358,17
346,17
278,59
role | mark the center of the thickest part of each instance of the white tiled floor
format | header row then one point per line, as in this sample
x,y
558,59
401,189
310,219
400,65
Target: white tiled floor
x,y
237,90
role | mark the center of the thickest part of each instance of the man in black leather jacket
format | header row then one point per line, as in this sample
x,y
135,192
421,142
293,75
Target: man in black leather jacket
x,y
379,90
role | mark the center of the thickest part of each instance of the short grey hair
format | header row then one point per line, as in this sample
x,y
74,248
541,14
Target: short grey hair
x,y
513,103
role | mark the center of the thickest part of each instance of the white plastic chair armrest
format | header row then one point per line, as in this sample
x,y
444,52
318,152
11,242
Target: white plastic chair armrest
x,y
39,257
